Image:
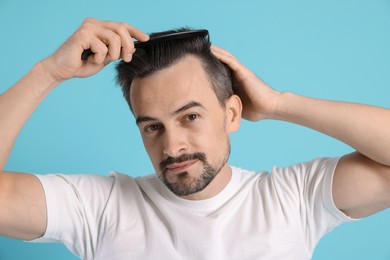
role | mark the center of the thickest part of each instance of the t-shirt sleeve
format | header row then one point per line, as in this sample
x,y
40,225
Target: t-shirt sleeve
x,y
308,186
75,204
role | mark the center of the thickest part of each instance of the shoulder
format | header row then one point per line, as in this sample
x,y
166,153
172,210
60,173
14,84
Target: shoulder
x,y
88,185
130,184
293,179
315,168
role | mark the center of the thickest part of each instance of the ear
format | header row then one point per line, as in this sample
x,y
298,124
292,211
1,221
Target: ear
x,y
233,113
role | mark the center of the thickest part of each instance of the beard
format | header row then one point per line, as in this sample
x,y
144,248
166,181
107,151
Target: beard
x,y
186,184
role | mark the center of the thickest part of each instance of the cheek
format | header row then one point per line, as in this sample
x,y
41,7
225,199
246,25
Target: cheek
x,y
153,151
213,135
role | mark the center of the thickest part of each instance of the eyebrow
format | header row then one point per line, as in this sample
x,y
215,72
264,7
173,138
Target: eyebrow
x,y
188,106
142,119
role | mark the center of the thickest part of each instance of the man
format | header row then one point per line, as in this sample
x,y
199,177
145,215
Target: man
x,y
196,206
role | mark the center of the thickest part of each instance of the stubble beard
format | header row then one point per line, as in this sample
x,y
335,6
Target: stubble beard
x,y
187,185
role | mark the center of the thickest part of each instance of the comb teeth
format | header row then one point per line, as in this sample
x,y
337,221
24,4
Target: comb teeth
x,y
172,36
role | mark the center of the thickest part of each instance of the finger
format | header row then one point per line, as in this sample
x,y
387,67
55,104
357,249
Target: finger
x,y
137,33
227,58
99,50
125,27
241,73
113,42
126,42
126,33
222,51
133,31
117,36
98,41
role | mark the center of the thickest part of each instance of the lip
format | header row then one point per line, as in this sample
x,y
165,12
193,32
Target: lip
x,y
180,167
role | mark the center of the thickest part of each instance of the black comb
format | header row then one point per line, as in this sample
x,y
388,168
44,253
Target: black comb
x,y
159,38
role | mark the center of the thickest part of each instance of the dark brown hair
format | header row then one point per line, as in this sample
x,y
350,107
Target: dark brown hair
x,y
151,58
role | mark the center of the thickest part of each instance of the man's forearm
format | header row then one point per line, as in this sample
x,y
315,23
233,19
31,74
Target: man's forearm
x,y
365,128
18,103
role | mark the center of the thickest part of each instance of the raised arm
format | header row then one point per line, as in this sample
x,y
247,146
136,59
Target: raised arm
x,y
361,184
23,206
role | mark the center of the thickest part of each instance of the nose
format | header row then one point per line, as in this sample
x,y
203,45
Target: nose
x,y
174,143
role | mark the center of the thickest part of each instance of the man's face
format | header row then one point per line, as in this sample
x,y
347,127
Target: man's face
x,y
184,128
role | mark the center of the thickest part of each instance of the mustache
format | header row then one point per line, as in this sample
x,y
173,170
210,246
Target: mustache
x,y
182,158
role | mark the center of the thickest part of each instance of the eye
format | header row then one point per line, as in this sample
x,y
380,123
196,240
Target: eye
x,y
192,117
152,128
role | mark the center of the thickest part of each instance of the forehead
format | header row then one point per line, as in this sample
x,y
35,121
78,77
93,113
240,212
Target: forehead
x,y
170,88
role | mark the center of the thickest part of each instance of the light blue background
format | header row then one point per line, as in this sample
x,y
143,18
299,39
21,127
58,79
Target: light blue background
x,y
327,49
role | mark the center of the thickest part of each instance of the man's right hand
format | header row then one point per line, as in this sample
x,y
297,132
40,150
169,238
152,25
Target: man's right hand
x,y
108,41
23,206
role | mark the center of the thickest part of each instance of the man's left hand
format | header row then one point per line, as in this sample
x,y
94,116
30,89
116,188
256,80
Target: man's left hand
x,y
259,100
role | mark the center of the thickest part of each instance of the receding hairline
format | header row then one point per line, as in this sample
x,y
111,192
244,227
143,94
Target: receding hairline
x,y
176,62
154,58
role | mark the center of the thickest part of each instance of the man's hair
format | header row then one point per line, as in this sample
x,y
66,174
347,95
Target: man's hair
x,y
156,56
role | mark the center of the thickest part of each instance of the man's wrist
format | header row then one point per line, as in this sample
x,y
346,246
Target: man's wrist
x,y
38,82
43,69
282,108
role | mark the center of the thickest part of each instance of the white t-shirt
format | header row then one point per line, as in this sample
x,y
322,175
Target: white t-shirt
x,y
277,215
